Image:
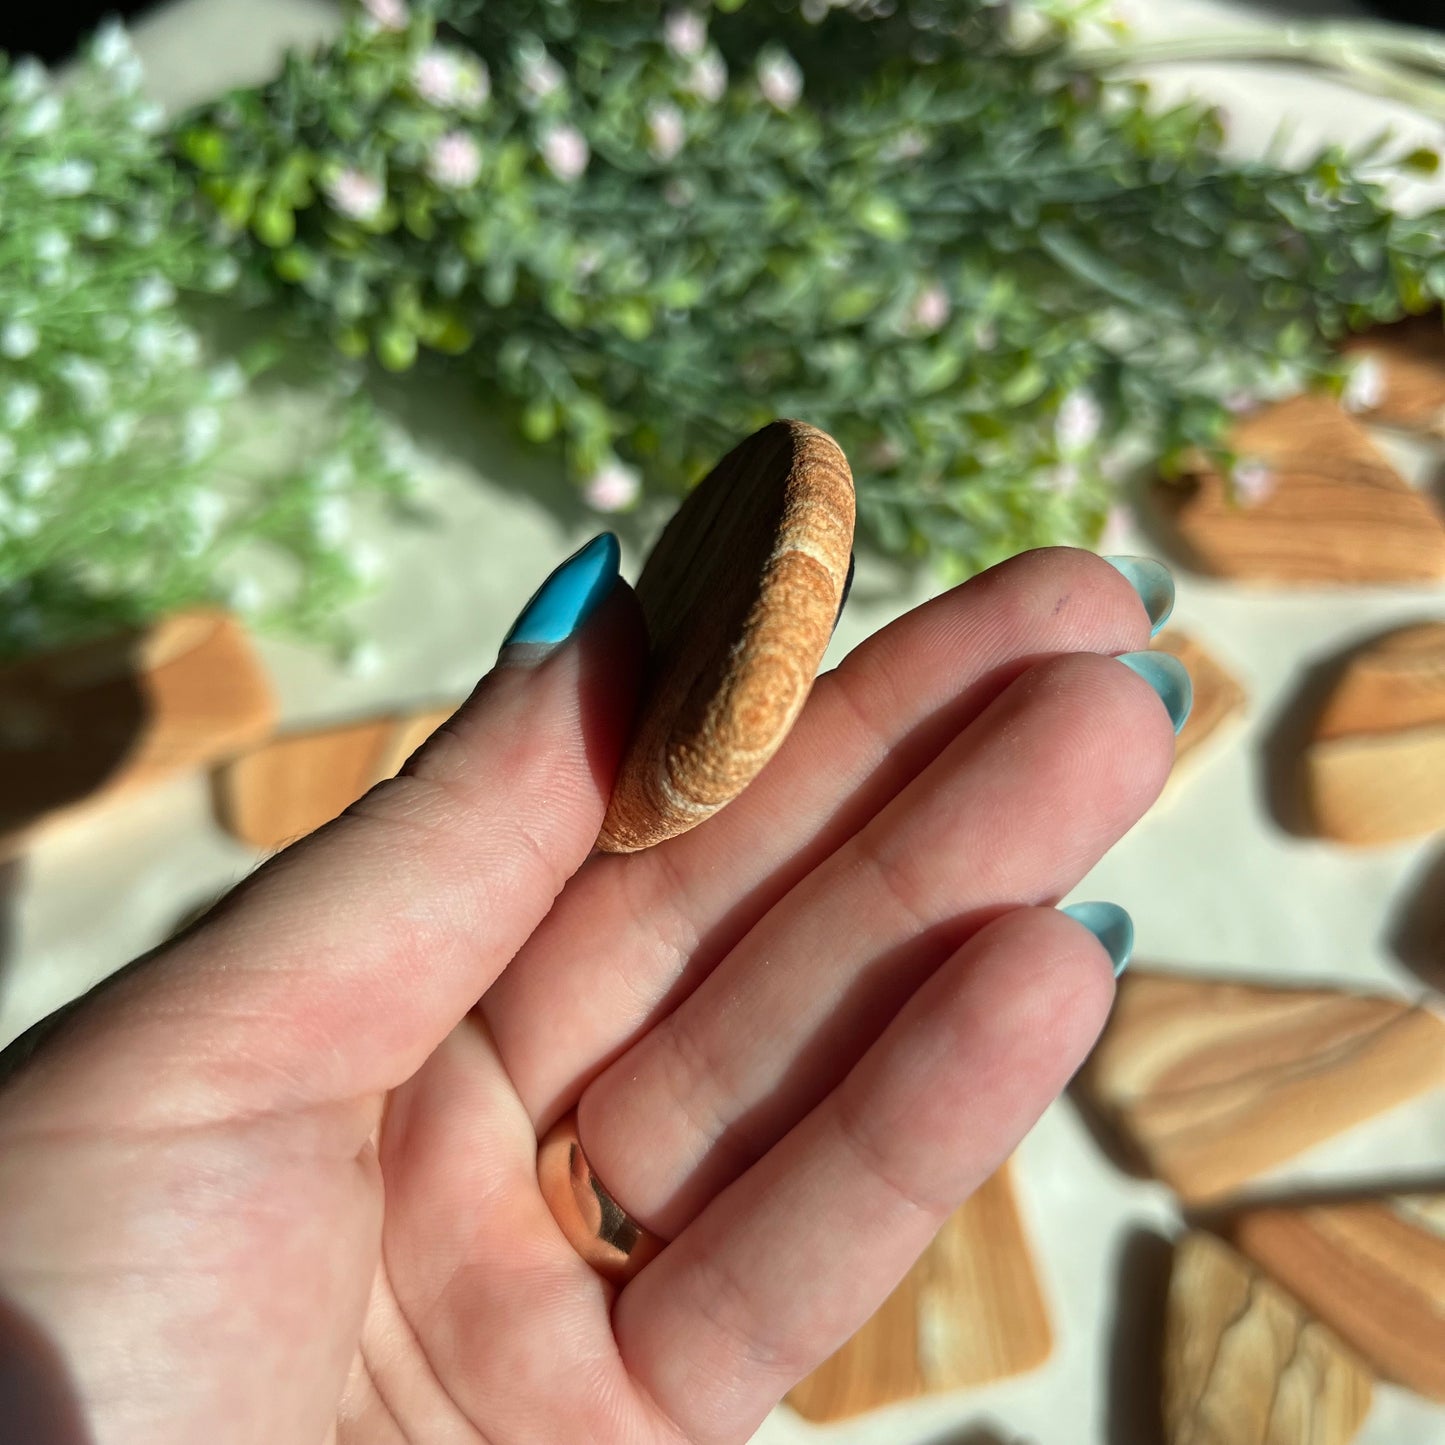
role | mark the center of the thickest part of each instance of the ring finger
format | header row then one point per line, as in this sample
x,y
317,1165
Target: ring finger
x,y
1012,813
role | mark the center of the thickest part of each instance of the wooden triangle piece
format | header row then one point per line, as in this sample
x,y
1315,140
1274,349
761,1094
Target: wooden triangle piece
x,y
1218,699
1407,383
1245,1365
291,786
93,722
1375,767
1371,1269
1334,510
970,1311
1213,1083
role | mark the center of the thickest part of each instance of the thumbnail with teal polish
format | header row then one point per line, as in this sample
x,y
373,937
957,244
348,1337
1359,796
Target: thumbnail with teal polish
x,y
1154,583
1168,677
1110,925
569,596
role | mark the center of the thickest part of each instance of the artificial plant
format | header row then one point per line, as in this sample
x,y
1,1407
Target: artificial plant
x,y
970,258
131,482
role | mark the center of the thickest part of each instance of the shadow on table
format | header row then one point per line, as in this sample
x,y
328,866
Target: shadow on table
x,y
1136,1348
1417,931
1281,758
969,1435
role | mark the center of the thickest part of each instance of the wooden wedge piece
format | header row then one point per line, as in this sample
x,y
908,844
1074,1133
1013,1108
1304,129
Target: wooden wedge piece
x,y
1212,1083
293,784
1375,767
93,722
970,1311
1405,386
1245,1365
1372,1269
740,594
1334,511
1218,699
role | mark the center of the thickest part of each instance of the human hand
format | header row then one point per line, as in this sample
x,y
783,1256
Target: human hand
x,y
277,1181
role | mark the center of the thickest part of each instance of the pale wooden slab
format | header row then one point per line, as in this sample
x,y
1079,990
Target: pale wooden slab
x,y
1375,766
1219,700
1213,1083
1338,512
295,783
969,1312
1371,1269
88,724
1245,1365
740,596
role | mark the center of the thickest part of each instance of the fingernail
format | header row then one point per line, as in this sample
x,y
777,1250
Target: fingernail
x,y
1110,925
847,588
564,601
1168,677
1154,583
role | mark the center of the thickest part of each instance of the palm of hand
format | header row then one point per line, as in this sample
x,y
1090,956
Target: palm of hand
x,y
280,1180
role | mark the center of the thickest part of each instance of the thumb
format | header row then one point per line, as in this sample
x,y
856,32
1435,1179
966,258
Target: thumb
x,y
341,964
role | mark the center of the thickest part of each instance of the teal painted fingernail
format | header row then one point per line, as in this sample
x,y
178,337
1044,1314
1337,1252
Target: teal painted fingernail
x,y
564,601
1154,583
1110,925
1168,677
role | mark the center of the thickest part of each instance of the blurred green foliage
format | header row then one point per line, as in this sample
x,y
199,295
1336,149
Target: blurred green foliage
x,y
129,486
974,262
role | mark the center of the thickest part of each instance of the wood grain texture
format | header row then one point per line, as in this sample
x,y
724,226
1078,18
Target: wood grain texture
x,y
294,784
1375,766
1410,360
969,1312
740,595
1218,698
1212,1083
90,723
1245,1365
1372,1269
1338,511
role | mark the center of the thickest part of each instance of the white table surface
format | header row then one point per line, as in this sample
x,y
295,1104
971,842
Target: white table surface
x,y
1212,880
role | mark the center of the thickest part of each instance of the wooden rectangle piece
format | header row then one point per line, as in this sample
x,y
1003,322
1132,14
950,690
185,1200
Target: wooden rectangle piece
x,y
969,1312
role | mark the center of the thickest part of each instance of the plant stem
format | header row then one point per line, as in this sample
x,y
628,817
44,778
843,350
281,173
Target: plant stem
x,y
1394,61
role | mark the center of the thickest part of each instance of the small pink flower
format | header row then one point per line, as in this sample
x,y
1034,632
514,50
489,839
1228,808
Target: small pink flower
x,y
780,80
387,14
1365,388
446,79
565,150
454,161
1253,481
356,194
678,193
665,131
930,310
612,488
1078,421
685,33
541,76
708,78
883,454
1238,402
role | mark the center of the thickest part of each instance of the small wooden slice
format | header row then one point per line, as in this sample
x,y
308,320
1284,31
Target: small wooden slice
x,y
740,595
93,722
1213,1083
1375,768
1373,1270
970,1311
293,784
1245,1365
1336,512
1218,699
1407,387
